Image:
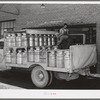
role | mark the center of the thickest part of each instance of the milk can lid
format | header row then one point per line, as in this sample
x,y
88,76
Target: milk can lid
x,y
24,33
13,34
49,48
18,34
31,48
8,51
52,52
43,47
9,35
60,52
55,47
37,48
35,34
19,51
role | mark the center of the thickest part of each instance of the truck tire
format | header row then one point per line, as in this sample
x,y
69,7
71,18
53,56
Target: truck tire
x,y
50,78
39,77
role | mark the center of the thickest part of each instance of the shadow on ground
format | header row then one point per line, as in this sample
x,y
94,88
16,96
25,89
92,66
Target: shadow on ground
x,y
22,79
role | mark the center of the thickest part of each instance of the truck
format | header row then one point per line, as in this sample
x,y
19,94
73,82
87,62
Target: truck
x,y
36,51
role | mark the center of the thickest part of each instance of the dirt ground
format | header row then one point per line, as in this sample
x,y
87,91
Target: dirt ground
x,y
22,80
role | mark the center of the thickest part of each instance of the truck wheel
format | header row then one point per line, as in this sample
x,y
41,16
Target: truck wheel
x,y
39,77
50,78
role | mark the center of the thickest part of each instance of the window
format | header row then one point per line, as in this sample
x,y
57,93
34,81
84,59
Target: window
x,y
6,26
1,45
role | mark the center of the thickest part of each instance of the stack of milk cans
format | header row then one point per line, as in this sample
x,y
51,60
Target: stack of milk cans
x,y
22,48
59,58
39,44
40,40
38,48
14,52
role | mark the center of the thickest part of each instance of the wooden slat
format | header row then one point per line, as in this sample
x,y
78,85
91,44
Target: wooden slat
x,y
57,69
32,31
40,32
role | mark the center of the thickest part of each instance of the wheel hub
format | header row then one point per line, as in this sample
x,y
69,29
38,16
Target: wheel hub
x,y
41,76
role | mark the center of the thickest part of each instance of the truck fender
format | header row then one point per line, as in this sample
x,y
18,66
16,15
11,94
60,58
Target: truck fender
x,y
33,65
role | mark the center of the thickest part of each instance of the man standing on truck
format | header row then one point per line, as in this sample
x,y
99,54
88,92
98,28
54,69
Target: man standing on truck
x,y
63,39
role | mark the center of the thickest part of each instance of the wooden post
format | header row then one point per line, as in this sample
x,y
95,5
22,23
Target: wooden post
x,y
98,45
90,33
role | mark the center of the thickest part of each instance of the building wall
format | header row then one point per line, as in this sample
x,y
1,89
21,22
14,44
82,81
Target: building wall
x,y
35,15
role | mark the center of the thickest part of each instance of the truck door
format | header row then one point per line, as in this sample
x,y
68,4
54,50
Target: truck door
x,y
2,59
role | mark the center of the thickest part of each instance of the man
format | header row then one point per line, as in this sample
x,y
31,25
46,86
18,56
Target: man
x,y
63,37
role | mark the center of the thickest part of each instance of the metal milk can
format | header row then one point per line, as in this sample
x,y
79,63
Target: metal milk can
x,y
13,57
36,40
43,55
24,57
44,40
40,40
55,47
31,40
52,59
19,57
24,39
13,40
52,39
37,54
8,40
8,56
31,55
48,40
59,59
48,48
18,40
67,59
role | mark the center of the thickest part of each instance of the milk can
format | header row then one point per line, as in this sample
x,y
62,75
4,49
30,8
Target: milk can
x,y
43,55
52,59
31,55
8,40
24,39
40,40
31,40
48,48
24,54
19,57
13,57
44,40
52,39
67,59
36,40
8,56
55,47
13,40
37,54
18,40
48,40
59,59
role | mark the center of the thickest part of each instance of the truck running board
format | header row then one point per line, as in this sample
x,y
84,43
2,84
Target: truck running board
x,y
94,75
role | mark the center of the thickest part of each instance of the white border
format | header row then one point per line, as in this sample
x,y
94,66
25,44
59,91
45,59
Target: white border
x,y
45,94
50,2
40,94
